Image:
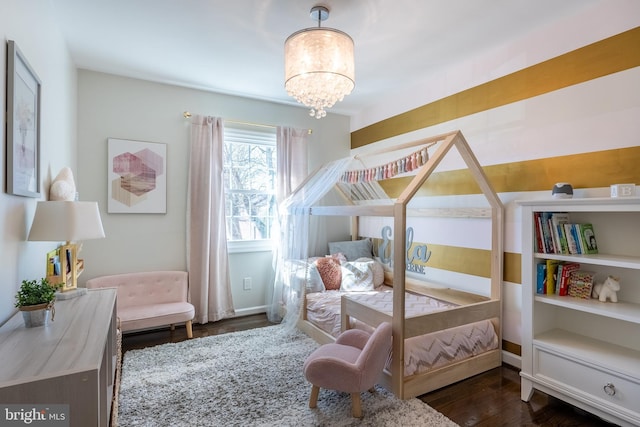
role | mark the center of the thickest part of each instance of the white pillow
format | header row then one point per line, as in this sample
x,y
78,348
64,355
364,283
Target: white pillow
x,y
314,281
378,270
357,276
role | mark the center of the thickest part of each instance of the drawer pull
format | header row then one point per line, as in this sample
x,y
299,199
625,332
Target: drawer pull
x,y
610,389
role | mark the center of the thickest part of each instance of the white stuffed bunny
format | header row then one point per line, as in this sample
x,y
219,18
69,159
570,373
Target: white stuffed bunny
x,y
608,289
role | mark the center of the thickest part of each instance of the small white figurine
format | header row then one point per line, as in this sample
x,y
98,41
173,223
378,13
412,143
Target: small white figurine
x,y
63,186
608,289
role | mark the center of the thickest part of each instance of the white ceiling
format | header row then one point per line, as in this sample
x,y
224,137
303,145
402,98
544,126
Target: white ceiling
x,y
236,46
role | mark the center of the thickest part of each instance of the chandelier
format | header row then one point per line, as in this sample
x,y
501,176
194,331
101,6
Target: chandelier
x,y
319,66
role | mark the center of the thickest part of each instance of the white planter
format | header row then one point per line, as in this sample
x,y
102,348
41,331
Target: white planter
x,y
36,315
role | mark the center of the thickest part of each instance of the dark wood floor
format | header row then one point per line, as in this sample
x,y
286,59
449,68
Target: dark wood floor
x,y
489,399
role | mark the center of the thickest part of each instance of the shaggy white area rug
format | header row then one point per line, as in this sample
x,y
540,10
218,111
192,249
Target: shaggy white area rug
x,y
248,378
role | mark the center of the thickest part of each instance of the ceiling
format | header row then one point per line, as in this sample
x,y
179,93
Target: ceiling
x,y
236,47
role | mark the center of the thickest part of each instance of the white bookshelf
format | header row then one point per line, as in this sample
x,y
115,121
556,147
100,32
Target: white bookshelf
x,y
584,351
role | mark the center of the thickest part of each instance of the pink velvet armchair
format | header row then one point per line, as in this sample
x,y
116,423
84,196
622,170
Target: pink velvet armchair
x,y
352,364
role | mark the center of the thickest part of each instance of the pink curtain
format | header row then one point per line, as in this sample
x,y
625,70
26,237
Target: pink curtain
x,y
207,256
292,160
290,173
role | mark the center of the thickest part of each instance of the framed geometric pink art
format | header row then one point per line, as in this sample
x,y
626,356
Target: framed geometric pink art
x,y
136,177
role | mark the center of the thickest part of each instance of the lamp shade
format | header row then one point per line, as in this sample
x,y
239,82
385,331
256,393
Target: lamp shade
x,y
319,68
65,220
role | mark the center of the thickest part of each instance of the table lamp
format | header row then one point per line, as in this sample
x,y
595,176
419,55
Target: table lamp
x,y
70,222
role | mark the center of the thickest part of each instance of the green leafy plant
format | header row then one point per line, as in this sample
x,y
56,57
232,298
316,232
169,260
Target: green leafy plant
x,y
33,292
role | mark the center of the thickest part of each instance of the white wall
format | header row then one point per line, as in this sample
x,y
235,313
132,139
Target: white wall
x,y
42,44
112,106
603,19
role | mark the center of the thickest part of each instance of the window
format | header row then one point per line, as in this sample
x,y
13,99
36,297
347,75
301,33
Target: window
x,y
250,181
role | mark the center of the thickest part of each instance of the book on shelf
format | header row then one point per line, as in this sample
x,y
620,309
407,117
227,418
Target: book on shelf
x,y
53,263
558,219
564,275
541,278
540,239
558,276
572,244
552,269
538,227
547,239
576,236
588,238
69,260
556,234
581,283
555,248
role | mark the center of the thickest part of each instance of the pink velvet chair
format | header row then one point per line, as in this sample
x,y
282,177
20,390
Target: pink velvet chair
x,y
352,364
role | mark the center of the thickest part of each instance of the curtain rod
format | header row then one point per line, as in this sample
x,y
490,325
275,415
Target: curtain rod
x,y
187,115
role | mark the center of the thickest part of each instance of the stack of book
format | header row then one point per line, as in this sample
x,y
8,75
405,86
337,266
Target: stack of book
x,y
563,278
554,277
556,234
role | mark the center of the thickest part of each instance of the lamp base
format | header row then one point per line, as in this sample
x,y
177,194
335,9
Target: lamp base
x,y
70,294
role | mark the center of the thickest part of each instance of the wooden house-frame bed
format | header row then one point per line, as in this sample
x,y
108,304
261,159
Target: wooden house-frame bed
x,y
469,307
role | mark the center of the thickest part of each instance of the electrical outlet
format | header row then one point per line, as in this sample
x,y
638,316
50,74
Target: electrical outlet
x,y
246,283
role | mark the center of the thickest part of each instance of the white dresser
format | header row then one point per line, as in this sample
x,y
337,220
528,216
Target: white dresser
x,y
70,361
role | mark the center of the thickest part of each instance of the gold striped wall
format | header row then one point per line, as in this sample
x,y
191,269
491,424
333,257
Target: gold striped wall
x,y
618,53
475,262
584,170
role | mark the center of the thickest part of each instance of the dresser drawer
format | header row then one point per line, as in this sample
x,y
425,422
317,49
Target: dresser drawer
x,y
587,381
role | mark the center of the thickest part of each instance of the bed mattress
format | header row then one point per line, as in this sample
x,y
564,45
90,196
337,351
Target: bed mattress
x,y
422,353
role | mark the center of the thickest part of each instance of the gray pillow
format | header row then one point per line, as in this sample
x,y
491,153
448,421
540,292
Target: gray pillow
x,y
352,249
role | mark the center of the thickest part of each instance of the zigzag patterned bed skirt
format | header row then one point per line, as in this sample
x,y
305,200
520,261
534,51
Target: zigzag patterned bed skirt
x,y
422,353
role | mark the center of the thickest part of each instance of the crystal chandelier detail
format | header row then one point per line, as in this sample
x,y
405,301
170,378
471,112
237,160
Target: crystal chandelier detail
x,y
319,65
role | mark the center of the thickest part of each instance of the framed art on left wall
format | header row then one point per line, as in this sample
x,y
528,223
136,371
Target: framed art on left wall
x,y
23,125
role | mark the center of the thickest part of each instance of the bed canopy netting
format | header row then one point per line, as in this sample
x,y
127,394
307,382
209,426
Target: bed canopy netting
x,y
350,187
346,182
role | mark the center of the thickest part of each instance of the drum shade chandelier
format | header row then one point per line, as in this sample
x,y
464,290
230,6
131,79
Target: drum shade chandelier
x,y
319,65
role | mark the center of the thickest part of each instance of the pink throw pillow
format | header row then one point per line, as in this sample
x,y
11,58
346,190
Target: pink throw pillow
x,y
330,272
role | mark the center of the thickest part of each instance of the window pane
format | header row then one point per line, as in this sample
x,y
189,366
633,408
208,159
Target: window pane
x,y
249,177
249,216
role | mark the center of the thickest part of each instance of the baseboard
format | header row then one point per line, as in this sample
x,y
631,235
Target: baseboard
x,y
240,312
512,359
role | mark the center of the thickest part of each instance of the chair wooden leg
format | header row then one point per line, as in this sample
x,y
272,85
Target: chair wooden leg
x,y
189,329
356,408
313,399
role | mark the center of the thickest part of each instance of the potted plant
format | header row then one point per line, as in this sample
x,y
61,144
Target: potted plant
x,y
35,299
